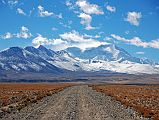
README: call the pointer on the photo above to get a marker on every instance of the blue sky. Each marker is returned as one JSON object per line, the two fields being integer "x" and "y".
{"x": 131, "y": 25}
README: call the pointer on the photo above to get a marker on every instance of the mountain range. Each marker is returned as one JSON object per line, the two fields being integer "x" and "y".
{"x": 103, "y": 58}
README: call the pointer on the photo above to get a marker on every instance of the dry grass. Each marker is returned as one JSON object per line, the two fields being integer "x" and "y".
{"x": 17, "y": 96}
{"x": 145, "y": 99}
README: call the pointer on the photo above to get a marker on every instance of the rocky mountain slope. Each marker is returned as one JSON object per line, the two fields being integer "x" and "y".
{"x": 103, "y": 58}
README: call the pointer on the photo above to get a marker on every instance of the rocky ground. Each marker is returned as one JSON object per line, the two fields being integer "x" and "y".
{"x": 75, "y": 103}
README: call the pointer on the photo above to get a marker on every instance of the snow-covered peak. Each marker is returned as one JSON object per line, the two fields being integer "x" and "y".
{"x": 113, "y": 50}
{"x": 12, "y": 52}
{"x": 105, "y": 57}
{"x": 42, "y": 48}
{"x": 32, "y": 49}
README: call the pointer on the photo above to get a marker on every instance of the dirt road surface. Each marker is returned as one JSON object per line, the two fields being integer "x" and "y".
{"x": 76, "y": 103}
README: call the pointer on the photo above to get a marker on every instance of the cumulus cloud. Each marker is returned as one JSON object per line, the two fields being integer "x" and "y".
{"x": 88, "y": 8}
{"x": 20, "y": 11}
{"x": 138, "y": 42}
{"x": 69, "y": 4}
{"x": 57, "y": 44}
{"x": 111, "y": 8}
{"x": 68, "y": 39}
{"x": 44, "y": 13}
{"x": 108, "y": 38}
{"x": 7, "y": 35}
{"x": 86, "y": 20}
{"x": 59, "y": 16}
{"x": 127, "y": 32}
{"x": 90, "y": 36}
{"x": 24, "y": 33}
{"x": 134, "y": 18}
{"x": 54, "y": 29}
{"x": 75, "y": 39}
{"x": 11, "y": 3}
{"x": 40, "y": 40}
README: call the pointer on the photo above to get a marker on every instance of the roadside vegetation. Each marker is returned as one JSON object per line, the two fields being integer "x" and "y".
{"x": 144, "y": 99}
{"x": 16, "y": 96}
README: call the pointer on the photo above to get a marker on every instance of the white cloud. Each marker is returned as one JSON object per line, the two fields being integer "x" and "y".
{"x": 40, "y": 40}
{"x": 12, "y": 3}
{"x": 88, "y": 8}
{"x": 24, "y": 33}
{"x": 44, "y": 13}
{"x": 7, "y": 35}
{"x": 133, "y": 18}
{"x": 54, "y": 29}
{"x": 86, "y": 20}
{"x": 127, "y": 32}
{"x": 72, "y": 36}
{"x": 31, "y": 11}
{"x": 111, "y": 8}
{"x": 81, "y": 41}
{"x": 138, "y": 42}
{"x": 20, "y": 11}
{"x": 68, "y": 39}
{"x": 59, "y": 44}
{"x": 97, "y": 36}
{"x": 59, "y": 16}
{"x": 90, "y": 36}
{"x": 69, "y": 4}
{"x": 154, "y": 44}
{"x": 140, "y": 53}
{"x": 108, "y": 38}
{"x": 65, "y": 25}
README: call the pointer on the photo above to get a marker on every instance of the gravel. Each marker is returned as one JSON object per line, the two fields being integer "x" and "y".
{"x": 75, "y": 103}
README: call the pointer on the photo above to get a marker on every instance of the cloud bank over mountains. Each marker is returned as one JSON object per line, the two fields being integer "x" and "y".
{"x": 68, "y": 39}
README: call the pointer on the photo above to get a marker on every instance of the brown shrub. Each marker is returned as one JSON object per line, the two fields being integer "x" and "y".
{"x": 24, "y": 94}
{"x": 145, "y": 99}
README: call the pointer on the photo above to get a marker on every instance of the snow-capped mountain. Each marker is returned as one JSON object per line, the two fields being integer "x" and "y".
{"x": 103, "y": 58}
{"x": 19, "y": 59}
{"x": 112, "y": 58}
{"x": 108, "y": 52}
{"x": 60, "y": 59}
{"x": 33, "y": 59}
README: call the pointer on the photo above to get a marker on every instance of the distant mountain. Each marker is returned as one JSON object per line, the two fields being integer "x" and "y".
{"x": 28, "y": 59}
{"x": 108, "y": 52}
{"x": 103, "y": 58}
{"x": 112, "y": 58}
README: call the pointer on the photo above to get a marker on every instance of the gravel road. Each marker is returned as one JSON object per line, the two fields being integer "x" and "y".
{"x": 75, "y": 103}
